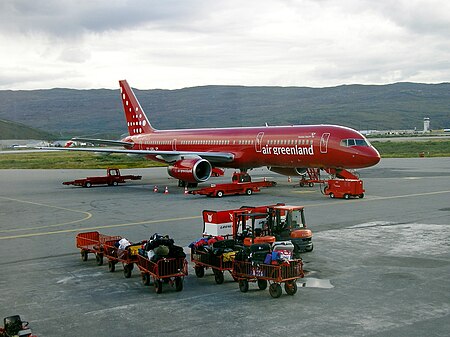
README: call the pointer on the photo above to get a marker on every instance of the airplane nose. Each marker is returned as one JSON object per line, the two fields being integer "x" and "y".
{"x": 373, "y": 157}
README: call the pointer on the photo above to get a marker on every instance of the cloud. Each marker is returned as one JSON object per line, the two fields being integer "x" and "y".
{"x": 179, "y": 43}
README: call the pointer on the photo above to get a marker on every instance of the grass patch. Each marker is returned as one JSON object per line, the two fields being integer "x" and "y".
{"x": 412, "y": 149}
{"x": 71, "y": 160}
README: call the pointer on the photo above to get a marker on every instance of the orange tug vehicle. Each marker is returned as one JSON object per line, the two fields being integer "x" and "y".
{"x": 158, "y": 258}
{"x": 254, "y": 244}
{"x": 112, "y": 178}
{"x": 241, "y": 183}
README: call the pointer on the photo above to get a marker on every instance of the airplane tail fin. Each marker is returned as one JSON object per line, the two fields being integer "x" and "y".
{"x": 137, "y": 121}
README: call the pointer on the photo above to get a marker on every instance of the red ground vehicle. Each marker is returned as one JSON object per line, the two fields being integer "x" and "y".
{"x": 241, "y": 184}
{"x": 251, "y": 264}
{"x": 112, "y": 178}
{"x": 128, "y": 256}
{"x": 344, "y": 188}
{"x": 284, "y": 222}
{"x": 166, "y": 270}
{"x": 14, "y": 326}
{"x": 92, "y": 242}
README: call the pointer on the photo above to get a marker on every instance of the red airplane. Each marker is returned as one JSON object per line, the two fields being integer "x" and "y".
{"x": 192, "y": 153}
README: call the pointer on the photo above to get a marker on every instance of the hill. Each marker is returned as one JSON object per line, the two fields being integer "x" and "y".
{"x": 12, "y": 130}
{"x": 99, "y": 113}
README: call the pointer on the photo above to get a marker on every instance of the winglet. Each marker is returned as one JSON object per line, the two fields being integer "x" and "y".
{"x": 137, "y": 121}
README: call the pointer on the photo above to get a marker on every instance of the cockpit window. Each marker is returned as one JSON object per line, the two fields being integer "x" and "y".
{"x": 354, "y": 142}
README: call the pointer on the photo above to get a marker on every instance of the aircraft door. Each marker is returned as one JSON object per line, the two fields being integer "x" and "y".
{"x": 174, "y": 145}
{"x": 258, "y": 143}
{"x": 324, "y": 142}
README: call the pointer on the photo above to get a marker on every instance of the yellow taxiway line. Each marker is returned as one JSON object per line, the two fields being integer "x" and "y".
{"x": 183, "y": 218}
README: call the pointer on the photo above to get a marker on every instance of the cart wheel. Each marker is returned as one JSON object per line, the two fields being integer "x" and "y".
{"x": 262, "y": 284}
{"x": 99, "y": 259}
{"x": 199, "y": 271}
{"x": 275, "y": 290}
{"x": 87, "y": 184}
{"x": 311, "y": 184}
{"x": 158, "y": 286}
{"x": 178, "y": 284}
{"x": 332, "y": 195}
{"x": 361, "y": 195}
{"x": 127, "y": 268}
{"x": 346, "y": 196}
{"x": 310, "y": 249}
{"x": 249, "y": 191}
{"x": 243, "y": 285}
{"x": 145, "y": 279}
{"x": 290, "y": 287}
{"x": 219, "y": 194}
{"x": 115, "y": 183}
{"x": 302, "y": 184}
{"x": 84, "y": 255}
{"x": 218, "y": 276}
{"x": 111, "y": 266}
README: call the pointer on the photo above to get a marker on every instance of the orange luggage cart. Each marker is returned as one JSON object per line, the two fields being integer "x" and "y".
{"x": 167, "y": 270}
{"x": 204, "y": 260}
{"x": 93, "y": 242}
{"x": 271, "y": 274}
{"x": 127, "y": 256}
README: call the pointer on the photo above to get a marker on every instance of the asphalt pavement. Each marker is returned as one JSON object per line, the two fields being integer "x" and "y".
{"x": 380, "y": 265}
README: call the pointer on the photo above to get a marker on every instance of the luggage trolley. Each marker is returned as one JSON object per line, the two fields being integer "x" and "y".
{"x": 218, "y": 263}
{"x": 92, "y": 242}
{"x": 265, "y": 274}
{"x": 167, "y": 270}
{"x": 127, "y": 256}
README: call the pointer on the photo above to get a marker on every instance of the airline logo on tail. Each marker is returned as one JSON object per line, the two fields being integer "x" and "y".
{"x": 137, "y": 121}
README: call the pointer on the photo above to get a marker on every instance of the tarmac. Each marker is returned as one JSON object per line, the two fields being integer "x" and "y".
{"x": 380, "y": 265}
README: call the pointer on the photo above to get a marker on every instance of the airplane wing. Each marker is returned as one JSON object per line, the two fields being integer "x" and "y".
{"x": 167, "y": 156}
{"x": 104, "y": 142}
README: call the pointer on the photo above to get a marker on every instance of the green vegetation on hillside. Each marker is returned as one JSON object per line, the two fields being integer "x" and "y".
{"x": 99, "y": 113}
{"x": 411, "y": 149}
{"x": 13, "y": 130}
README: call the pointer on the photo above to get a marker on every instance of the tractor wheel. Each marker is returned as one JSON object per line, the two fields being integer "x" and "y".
{"x": 84, "y": 255}
{"x": 99, "y": 259}
{"x": 262, "y": 284}
{"x": 145, "y": 279}
{"x": 219, "y": 194}
{"x": 275, "y": 290}
{"x": 178, "y": 284}
{"x": 361, "y": 195}
{"x": 127, "y": 269}
{"x": 218, "y": 276}
{"x": 111, "y": 266}
{"x": 332, "y": 195}
{"x": 290, "y": 287}
{"x": 310, "y": 249}
{"x": 346, "y": 196}
{"x": 199, "y": 271}
{"x": 249, "y": 191}
{"x": 158, "y": 286}
{"x": 115, "y": 183}
{"x": 243, "y": 286}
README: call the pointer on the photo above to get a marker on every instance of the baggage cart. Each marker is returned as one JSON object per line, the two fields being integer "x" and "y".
{"x": 165, "y": 270}
{"x": 127, "y": 256}
{"x": 92, "y": 242}
{"x": 269, "y": 274}
{"x": 218, "y": 263}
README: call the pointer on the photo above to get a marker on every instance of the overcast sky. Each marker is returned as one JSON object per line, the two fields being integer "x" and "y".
{"x": 173, "y": 44}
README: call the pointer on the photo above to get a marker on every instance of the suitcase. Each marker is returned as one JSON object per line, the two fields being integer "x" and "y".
{"x": 285, "y": 248}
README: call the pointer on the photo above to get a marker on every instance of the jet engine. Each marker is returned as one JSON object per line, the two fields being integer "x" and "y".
{"x": 191, "y": 170}
{"x": 288, "y": 171}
